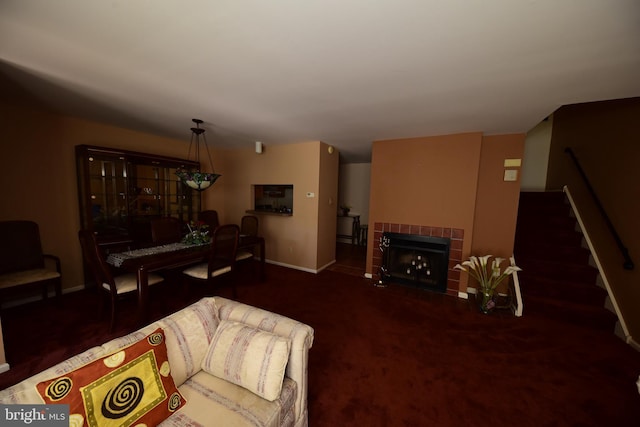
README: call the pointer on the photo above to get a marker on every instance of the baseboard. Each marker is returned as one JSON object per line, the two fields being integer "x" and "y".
{"x": 327, "y": 265}
{"x": 295, "y": 267}
{"x": 4, "y": 367}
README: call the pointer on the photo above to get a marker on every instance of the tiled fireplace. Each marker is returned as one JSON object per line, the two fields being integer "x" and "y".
{"x": 421, "y": 248}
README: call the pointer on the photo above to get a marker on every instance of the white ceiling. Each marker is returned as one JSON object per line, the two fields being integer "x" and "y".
{"x": 346, "y": 72}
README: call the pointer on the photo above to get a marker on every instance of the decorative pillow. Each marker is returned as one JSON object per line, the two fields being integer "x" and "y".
{"x": 131, "y": 386}
{"x": 248, "y": 357}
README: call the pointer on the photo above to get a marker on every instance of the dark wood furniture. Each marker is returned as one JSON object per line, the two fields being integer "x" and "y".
{"x": 210, "y": 217}
{"x": 120, "y": 192}
{"x": 144, "y": 265}
{"x": 222, "y": 256}
{"x": 22, "y": 262}
{"x": 166, "y": 230}
{"x": 114, "y": 287}
{"x": 355, "y": 227}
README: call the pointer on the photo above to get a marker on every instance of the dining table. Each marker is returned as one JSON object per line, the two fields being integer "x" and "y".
{"x": 169, "y": 256}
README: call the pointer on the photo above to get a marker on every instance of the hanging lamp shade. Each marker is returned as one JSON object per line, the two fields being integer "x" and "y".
{"x": 195, "y": 178}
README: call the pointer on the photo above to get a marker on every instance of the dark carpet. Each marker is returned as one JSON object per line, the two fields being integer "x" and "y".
{"x": 389, "y": 356}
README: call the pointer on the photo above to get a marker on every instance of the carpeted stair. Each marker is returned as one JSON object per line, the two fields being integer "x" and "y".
{"x": 557, "y": 280}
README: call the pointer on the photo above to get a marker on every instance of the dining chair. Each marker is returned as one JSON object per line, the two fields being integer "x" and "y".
{"x": 248, "y": 227}
{"x": 166, "y": 230}
{"x": 209, "y": 217}
{"x": 222, "y": 258}
{"x": 113, "y": 287}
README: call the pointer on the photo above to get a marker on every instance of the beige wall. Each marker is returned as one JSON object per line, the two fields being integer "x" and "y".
{"x": 38, "y": 172}
{"x": 438, "y": 181}
{"x": 302, "y": 240}
{"x": 536, "y": 156}
{"x": 604, "y": 137}
{"x": 494, "y": 225}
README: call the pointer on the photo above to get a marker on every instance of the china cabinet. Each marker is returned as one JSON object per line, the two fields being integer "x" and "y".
{"x": 120, "y": 192}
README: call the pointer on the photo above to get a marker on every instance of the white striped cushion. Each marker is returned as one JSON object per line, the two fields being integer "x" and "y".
{"x": 248, "y": 357}
{"x": 188, "y": 333}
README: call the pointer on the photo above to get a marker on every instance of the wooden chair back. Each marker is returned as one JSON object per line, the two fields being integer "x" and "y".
{"x": 249, "y": 225}
{"x": 209, "y": 217}
{"x": 95, "y": 261}
{"x": 224, "y": 246}
{"x": 166, "y": 230}
{"x": 20, "y": 246}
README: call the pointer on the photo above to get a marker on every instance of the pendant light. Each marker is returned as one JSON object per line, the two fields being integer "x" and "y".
{"x": 194, "y": 178}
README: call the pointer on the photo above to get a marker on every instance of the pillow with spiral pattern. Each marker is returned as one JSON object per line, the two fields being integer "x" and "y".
{"x": 132, "y": 386}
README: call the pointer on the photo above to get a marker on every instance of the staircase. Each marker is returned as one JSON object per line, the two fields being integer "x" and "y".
{"x": 556, "y": 279}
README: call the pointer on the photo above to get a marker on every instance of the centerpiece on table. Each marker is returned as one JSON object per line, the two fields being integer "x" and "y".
{"x": 198, "y": 233}
{"x": 489, "y": 276}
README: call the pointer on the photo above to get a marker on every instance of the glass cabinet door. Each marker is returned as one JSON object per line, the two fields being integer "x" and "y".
{"x": 120, "y": 192}
{"x": 107, "y": 194}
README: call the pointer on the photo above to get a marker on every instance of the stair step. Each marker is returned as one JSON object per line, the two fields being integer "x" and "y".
{"x": 563, "y": 221}
{"x": 570, "y": 312}
{"x": 547, "y": 236}
{"x": 543, "y": 202}
{"x": 569, "y": 253}
{"x": 557, "y": 281}
{"x": 533, "y": 285}
{"x": 559, "y": 270}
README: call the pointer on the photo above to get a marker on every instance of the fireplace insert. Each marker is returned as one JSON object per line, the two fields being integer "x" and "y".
{"x": 414, "y": 260}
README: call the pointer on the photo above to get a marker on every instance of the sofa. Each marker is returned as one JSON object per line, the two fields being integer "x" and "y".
{"x": 215, "y": 362}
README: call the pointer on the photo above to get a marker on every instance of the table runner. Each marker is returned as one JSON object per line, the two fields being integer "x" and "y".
{"x": 117, "y": 259}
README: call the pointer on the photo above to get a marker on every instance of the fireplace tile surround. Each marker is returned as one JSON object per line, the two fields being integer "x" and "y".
{"x": 456, "y": 236}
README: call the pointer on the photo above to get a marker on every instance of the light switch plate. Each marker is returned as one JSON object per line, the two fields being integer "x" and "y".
{"x": 510, "y": 174}
{"x": 309, "y": 194}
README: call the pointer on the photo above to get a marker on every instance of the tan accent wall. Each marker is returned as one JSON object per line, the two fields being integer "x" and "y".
{"x": 305, "y": 240}
{"x": 439, "y": 180}
{"x": 38, "y": 172}
{"x": 604, "y": 137}
{"x": 494, "y": 225}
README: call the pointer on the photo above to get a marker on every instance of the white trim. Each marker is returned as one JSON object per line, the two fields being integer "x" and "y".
{"x": 295, "y": 267}
{"x": 463, "y": 295}
{"x": 4, "y": 367}
{"x": 327, "y": 265}
{"x": 627, "y": 337}
{"x": 519, "y": 305}
{"x": 368, "y": 276}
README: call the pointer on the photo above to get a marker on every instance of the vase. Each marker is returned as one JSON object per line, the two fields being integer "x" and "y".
{"x": 487, "y": 301}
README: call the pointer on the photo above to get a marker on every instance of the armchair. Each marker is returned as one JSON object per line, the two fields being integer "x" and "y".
{"x": 22, "y": 262}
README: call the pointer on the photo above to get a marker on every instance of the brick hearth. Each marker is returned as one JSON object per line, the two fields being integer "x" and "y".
{"x": 455, "y": 249}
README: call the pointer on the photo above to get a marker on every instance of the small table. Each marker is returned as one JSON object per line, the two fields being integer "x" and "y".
{"x": 355, "y": 227}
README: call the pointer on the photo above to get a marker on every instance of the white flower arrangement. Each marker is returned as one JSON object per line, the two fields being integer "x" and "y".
{"x": 488, "y": 278}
